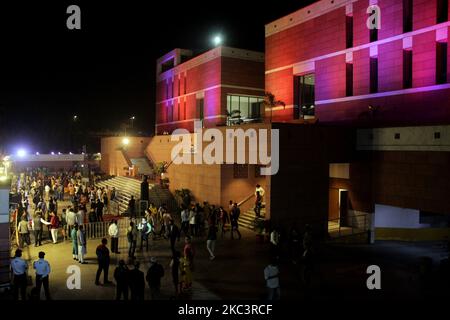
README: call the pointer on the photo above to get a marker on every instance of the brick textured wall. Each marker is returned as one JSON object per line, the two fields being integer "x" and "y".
{"x": 416, "y": 180}
{"x": 391, "y": 18}
{"x": 412, "y": 109}
{"x": 312, "y": 38}
{"x": 424, "y": 59}
{"x": 424, "y": 13}
{"x": 361, "y": 72}
{"x": 390, "y": 66}
{"x": 282, "y": 86}
{"x": 360, "y": 31}
{"x": 330, "y": 78}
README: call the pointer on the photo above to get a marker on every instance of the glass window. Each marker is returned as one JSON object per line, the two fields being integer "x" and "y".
{"x": 304, "y": 95}
{"x": 244, "y": 107}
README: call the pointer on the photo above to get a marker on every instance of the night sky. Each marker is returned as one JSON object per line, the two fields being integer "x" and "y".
{"x": 105, "y": 72}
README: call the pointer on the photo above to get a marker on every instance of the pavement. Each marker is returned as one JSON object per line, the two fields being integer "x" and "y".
{"x": 339, "y": 270}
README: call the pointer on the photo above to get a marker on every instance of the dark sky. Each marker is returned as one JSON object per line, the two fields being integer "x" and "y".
{"x": 105, "y": 72}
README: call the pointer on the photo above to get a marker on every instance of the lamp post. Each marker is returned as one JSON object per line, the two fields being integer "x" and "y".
{"x": 132, "y": 121}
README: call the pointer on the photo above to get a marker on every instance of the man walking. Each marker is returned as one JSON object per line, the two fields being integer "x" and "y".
{"x": 132, "y": 234}
{"x": 19, "y": 269}
{"x": 211, "y": 240}
{"x": 234, "y": 220}
{"x": 154, "y": 275}
{"x": 103, "y": 262}
{"x": 114, "y": 234}
{"x": 36, "y": 225}
{"x": 43, "y": 270}
{"x": 24, "y": 234}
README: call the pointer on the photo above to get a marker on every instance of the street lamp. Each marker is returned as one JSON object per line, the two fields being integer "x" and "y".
{"x": 125, "y": 141}
{"x": 75, "y": 118}
{"x": 132, "y": 121}
{"x": 217, "y": 40}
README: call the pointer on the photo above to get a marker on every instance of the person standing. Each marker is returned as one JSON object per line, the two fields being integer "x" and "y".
{"x": 271, "y": 275}
{"x": 154, "y": 275}
{"x": 54, "y": 226}
{"x": 174, "y": 234}
{"x": 24, "y": 234}
{"x": 211, "y": 241}
{"x": 19, "y": 269}
{"x": 99, "y": 209}
{"x": 71, "y": 220}
{"x": 37, "y": 224}
{"x": 43, "y": 270}
{"x": 132, "y": 234}
{"x": 132, "y": 207}
{"x": 192, "y": 222}
{"x": 234, "y": 220}
{"x": 81, "y": 239}
{"x": 74, "y": 238}
{"x": 113, "y": 232}
{"x": 258, "y": 204}
{"x": 185, "y": 221}
{"x": 145, "y": 229}
{"x": 137, "y": 283}
{"x": 121, "y": 275}
{"x": 144, "y": 189}
{"x": 189, "y": 252}
{"x": 103, "y": 259}
{"x": 175, "y": 266}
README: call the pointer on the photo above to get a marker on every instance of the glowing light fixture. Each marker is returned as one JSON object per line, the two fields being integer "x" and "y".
{"x": 125, "y": 141}
{"x": 217, "y": 40}
{"x": 21, "y": 153}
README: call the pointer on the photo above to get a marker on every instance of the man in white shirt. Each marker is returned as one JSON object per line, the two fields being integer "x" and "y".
{"x": 113, "y": 232}
{"x": 271, "y": 274}
{"x": 185, "y": 221}
{"x": 260, "y": 190}
{"x": 19, "y": 269}
{"x": 71, "y": 219}
{"x": 43, "y": 270}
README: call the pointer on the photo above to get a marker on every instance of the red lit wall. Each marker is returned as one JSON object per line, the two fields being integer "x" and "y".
{"x": 289, "y": 50}
{"x": 390, "y": 66}
{"x": 213, "y": 79}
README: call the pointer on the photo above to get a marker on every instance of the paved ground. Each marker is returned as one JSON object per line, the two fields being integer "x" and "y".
{"x": 237, "y": 272}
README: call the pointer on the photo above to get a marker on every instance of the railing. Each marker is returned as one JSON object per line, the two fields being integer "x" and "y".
{"x": 355, "y": 224}
{"x": 98, "y": 230}
{"x": 244, "y": 204}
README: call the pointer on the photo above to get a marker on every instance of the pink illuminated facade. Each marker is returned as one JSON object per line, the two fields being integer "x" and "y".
{"x": 208, "y": 87}
{"x": 324, "y": 61}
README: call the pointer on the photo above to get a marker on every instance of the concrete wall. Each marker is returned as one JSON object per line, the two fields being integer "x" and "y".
{"x": 113, "y": 161}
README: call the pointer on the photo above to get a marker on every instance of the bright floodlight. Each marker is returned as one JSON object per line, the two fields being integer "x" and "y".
{"x": 21, "y": 153}
{"x": 126, "y": 141}
{"x": 53, "y": 153}
{"x": 217, "y": 40}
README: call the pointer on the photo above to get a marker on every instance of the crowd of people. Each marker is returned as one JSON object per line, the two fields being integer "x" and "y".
{"x": 40, "y": 196}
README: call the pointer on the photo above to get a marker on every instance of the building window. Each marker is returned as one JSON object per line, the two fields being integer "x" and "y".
{"x": 349, "y": 31}
{"x": 442, "y": 11}
{"x": 200, "y": 108}
{"x": 167, "y": 65}
{"x": 244, "y": 108}
{"x": 441, "y": 62}
{"x": 349, "y": 79}
{"x": 407, "y": 69}
{"x": 304, "y": 95}
{"x": 407, "y": 15}
{"x": 373, "y": 75}
{"x": 240, "y": 171}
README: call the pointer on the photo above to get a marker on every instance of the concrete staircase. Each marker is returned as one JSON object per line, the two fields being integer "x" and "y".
{"x": 127, "y": 187}
{"x": 143, "y": 166}
{"x": 247, "y": 218}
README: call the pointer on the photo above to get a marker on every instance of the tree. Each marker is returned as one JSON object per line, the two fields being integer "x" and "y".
{"x": 271, "y": 102}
